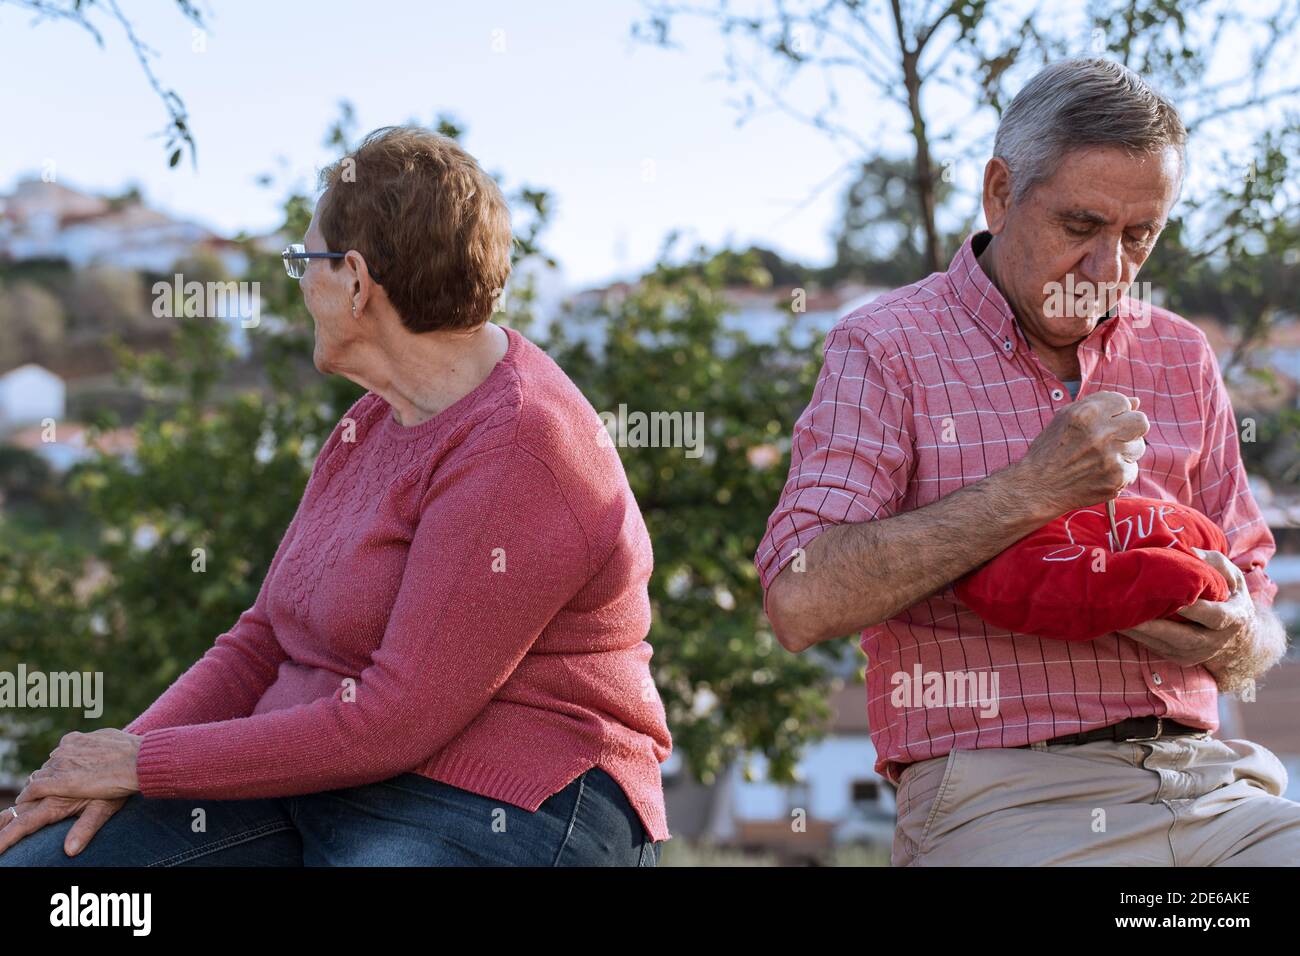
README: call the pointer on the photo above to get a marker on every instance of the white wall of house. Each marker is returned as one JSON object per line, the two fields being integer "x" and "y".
{"x": 59, "y": 455}
{"x": 828, "y": 770}
{"x": 29, "y": 394}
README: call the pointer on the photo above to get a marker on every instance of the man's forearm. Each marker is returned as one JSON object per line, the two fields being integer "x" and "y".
{"x": 857, "y": 575}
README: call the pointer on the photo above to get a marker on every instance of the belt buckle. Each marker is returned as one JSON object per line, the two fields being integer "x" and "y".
{"x": 1160, "y": 724}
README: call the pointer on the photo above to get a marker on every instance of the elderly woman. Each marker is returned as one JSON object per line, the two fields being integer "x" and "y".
{"x": 446, "y": 662}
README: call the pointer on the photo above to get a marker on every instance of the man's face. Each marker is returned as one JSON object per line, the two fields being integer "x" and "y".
{"x": 1090, "y": 227}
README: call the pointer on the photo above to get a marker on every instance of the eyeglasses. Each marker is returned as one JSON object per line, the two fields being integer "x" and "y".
{"x": 296, "y": 255}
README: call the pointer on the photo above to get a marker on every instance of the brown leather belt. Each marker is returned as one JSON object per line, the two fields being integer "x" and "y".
{"x": 1127, "y": 731}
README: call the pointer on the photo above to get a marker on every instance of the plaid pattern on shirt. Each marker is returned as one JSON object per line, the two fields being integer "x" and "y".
{"x": 945, "y": 358}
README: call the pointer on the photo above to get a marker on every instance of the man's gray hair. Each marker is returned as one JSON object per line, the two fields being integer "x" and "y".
{"x": 1078, "y": 103}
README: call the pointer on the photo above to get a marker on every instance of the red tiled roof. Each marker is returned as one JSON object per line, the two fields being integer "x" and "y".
{"x": 76, "y": 435}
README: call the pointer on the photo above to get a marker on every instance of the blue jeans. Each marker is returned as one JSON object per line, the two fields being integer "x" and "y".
{"x": 408, "y": 820}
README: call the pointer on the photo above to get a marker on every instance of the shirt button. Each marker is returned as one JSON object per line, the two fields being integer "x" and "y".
{"x": 1006, "y": 346}
{"x": 1057, "y": 394}
{"x": 1155, "y": 679}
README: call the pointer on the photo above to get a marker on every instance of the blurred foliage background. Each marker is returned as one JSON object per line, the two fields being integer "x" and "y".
{"x": 225, "y": 475}
{"x": 96, "y": 566}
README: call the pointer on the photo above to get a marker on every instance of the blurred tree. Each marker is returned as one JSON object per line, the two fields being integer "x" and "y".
{"x": 1241, "y": 264}
{"x": 44, "y": 623}
{"x": 226, "y": 476}
{"x": 937, "y": 76}
{"x": 131, "y": 196}
{"x": 1245, "y": 272}
{"x": 897, "y": 52}
{"x": 31, "y": 324}
{"x": 741, "y": 267}
{"x": 104, "y": 300}
{"x": 880, "y": 236}
{"x": 24, "y": 476}
{"x": 728, "y": 686}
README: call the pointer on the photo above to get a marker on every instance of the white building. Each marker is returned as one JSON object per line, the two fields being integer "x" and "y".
{"x": 43, "y": 220}
{"x": 30, "y": 394}
{"x": 839, "y": 799}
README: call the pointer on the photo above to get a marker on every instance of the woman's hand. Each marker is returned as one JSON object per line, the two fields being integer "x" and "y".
{"x": 98, "y": 765}
{"x": 34, "y": 814}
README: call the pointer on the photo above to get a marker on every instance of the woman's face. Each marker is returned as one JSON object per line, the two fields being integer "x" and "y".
{"x": 327, "y": 292}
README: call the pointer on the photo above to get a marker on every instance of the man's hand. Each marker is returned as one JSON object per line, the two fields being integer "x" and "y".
{"x": 1218, "y": 628}
{"x": 1232, "y": 639}
{"x": 857, "y": 575}
{"x": 1088, "y": 452}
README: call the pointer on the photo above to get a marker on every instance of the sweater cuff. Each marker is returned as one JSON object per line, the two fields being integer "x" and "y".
{"x": 153, "y": 764}
{"x": 139, "y": 726}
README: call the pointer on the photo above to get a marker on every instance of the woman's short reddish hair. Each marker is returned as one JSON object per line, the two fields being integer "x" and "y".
{"x": 429, "y": 222}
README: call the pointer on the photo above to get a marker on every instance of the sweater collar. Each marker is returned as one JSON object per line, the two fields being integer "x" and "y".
{"x": 391, "y": 430}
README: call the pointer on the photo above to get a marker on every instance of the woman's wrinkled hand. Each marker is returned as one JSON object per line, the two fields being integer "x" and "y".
{"x": 32, "y": 815}
{"x": 98, "y": 765}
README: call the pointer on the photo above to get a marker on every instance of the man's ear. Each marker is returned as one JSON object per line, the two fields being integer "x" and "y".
{"x": 997, "y": 194}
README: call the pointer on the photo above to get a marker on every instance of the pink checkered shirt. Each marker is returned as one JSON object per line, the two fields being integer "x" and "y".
{"x": 946, "y": 352}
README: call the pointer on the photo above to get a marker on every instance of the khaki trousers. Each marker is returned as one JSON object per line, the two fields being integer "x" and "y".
{"x": 1179, "y": 801}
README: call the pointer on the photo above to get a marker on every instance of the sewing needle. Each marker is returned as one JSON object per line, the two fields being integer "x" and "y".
{"x": 1114, "y": 528}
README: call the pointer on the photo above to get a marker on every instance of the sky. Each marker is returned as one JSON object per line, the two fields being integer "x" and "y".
{"x": 634, "y": 142}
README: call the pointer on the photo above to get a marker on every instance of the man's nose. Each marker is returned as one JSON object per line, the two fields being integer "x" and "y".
{"x": 1105, "y": 262}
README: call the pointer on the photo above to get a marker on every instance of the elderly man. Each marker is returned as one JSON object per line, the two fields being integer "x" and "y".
{"x": 956, "y": 415}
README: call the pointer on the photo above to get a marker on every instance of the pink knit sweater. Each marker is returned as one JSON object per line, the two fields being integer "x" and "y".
{"x": 465, "y": 598}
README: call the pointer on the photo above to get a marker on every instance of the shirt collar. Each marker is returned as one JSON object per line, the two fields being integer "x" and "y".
{"x": 980, "y": 297}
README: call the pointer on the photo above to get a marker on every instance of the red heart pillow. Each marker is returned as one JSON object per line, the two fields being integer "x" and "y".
{"x": 1069, "y": 581}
